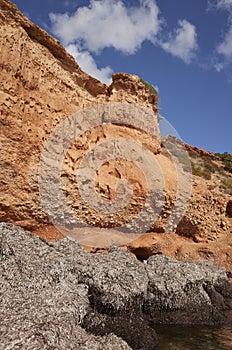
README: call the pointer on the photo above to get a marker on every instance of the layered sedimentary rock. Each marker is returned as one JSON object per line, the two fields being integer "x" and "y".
{"x": 41, "y": 87}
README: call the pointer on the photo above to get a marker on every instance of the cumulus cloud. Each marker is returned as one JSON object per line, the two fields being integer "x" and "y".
{"x": 108, "y": 23}
{"x": 219, "y": 5}
{"x": 223, "y": 51}
{"x": 224, "y": 4}
{"x": 87, "y": 63}
{"x": 113, "y": 24}
{"x": 225, "y": 48}
{"x": 102, "y": 24}
{"x": 183, "y": 42}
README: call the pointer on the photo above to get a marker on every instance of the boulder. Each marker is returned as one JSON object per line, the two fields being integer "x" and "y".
{"x": 185, "y": 292}
{"x": 50, "y": 289}
{"x": 58, "y": 295}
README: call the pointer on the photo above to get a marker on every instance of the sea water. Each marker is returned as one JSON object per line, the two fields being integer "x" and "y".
{"x": 194, "y": 338}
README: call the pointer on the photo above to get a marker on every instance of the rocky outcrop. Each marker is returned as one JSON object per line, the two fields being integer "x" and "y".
{"x": 204, "y": 219}
{"x": 134, "y": 86}
{"x": 41, "y": 85}
{"x": 58, "y": 295}
{"x": 13, "y": 19}
{"x": 184, "y": 293}
{"x": 199, "y": 151}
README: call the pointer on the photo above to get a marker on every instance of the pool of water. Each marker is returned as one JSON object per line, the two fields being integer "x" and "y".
{"x": 194, "y": 338}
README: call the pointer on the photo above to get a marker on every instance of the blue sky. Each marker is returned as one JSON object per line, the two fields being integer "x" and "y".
{"x": 183, "y": 47}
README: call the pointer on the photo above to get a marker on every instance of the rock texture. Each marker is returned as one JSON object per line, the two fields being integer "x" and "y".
{"x": 41, "y": 85}
{"x": 59, "y": 296}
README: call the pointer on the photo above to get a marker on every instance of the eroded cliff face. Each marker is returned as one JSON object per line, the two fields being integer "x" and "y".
{"x": 41, "y": 86}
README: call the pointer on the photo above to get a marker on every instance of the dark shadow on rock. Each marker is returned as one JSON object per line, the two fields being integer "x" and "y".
{"x": 229, "y": 209}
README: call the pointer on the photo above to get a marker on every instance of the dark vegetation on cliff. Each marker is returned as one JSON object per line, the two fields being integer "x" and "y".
{"x": 150, "y": 88}
{"x": 226, "y": 158}
{"x": 209, "y": 166}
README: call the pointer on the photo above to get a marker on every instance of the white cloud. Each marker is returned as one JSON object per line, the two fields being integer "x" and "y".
{"x": 87, "y": 64}
{"x": 183, "y": 42}
{"x": 224, "y": 4}
{"x": 223, "y": 51}
{"x": 108, "y": 23}
{"x": 219, "y": 5}
{"x": 113, "y": 24}
{"x": 105, "y": 23}
{"x": 218, "y": 66}
{"x": 225, "y": 48}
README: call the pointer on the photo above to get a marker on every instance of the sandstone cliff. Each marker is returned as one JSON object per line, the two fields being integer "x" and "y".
{"x": 41, "y": 86}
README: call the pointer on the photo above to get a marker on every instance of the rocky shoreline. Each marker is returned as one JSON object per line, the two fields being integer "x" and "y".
{"x": 58, "y": 296}
{"x": 54, "y": 293}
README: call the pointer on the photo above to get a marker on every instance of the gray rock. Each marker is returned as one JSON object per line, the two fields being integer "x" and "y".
{"x": 43, "y": 304}
{"x": 117, "y": 285}
{"x": 58, "y": 296}
{"x": 185, "y": 292}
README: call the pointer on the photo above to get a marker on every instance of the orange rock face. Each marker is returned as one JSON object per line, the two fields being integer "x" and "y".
{"x": 41, "y": 87}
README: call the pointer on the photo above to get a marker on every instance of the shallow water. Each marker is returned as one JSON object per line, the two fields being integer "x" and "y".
{"x": 194, "y": 338}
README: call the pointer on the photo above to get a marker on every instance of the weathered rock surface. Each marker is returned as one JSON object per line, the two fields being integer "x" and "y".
{"x": 185, "y": 292}
{"x": 41, "y": 85}
{"x": 59, "y": 296}
{"x": 218, "y": 252}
